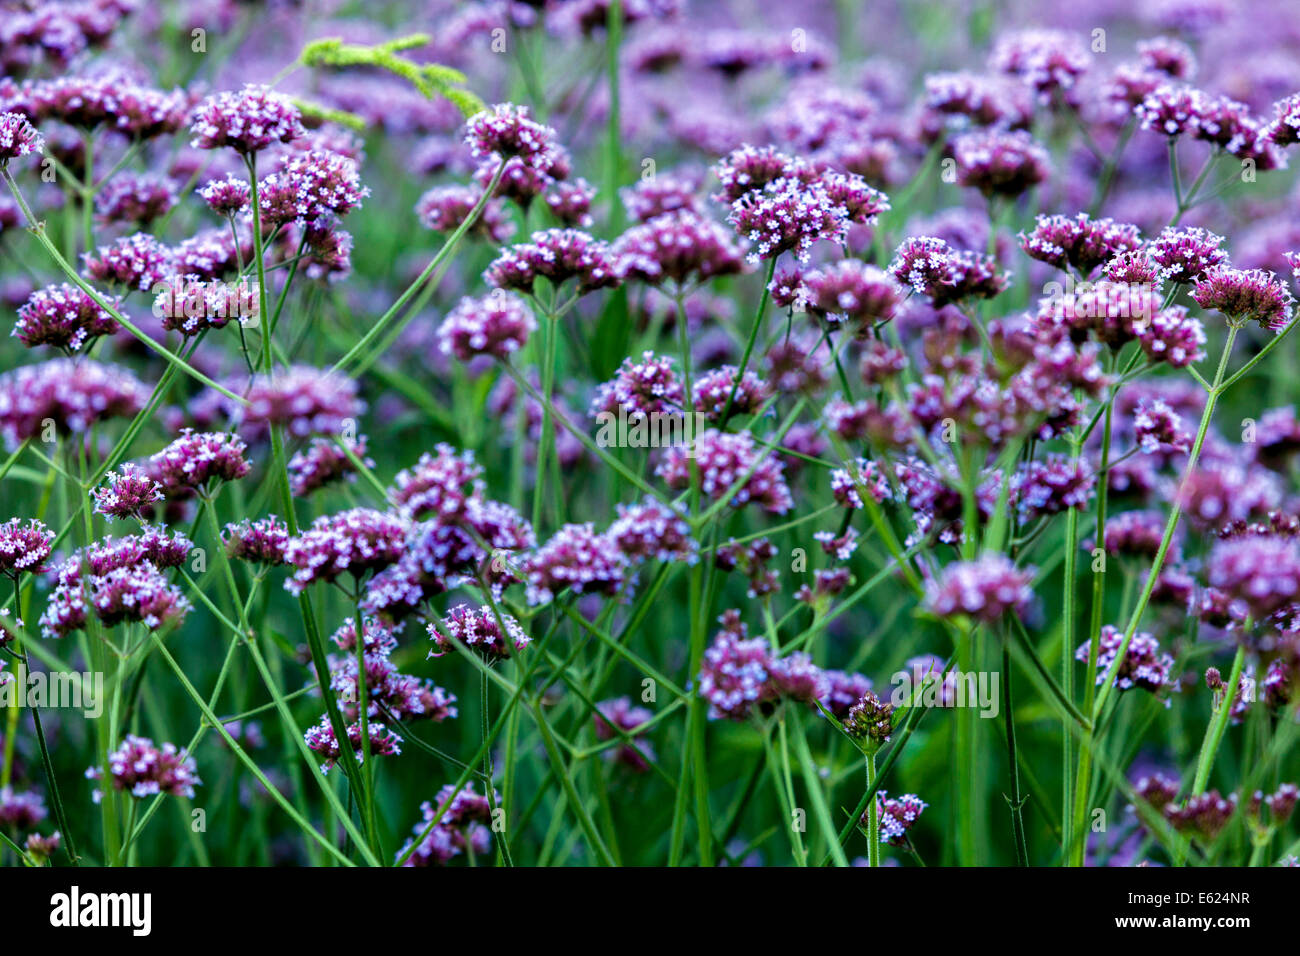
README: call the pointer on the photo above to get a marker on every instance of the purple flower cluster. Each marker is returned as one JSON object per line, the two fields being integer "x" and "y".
{"x": 497, "y": 325}
{"x": 479, "y": 629}
{"x": 984, "y": 589}
{"x": 729, "y": 463}
{"x": 142, "y": 769}
{"x": 63, "y": 316}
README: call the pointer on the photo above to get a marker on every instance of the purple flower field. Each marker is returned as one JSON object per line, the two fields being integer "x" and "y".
{"x": 649, "y": 433}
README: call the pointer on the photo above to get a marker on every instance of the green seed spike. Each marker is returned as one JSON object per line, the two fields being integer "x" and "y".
{"x": 431, "y": 79}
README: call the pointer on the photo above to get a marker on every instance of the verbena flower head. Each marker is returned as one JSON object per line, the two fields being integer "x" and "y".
{"x": 440, "y": 485}
{"x": 558, "y": 255}
{"x": 1050, "y": 62}
{"x": 1262, "y": 572}
{"x": 127, "y": 494}
{"x": 1284, "y": 130}
{"x": 124, "y": 585}
{"x": 570, "y": 202}
{"x": 310, "y": 185}
{"x": 1082, "y": 243}
{"x": 322, "y": 741}
{"x": 496, "y": 325}
{"x": 985, "y": 589}
{"x": 1158, "y": 428}
{"x": 652, "y": 530}
{"x": 677, "y": 246}
{"x": 260, "y": 541}
{"x": 1246, "y": 295}
{"x": 721, "y": 460}
{"x": 142, "y": 769}
{"x": 445, "y": 208}
{"x": 304, "y": 400}
{"x": 578, "y": 558}
{"x": 897, "y": 815}
{"x": 247, "y": 121}
{"x": 506, "y": 131}
{"x": 715, "y": 389}
{"x": 662, "y": 193}
{"x": 853, "y": 292}
{"x": 196, "y": 458}
{"x": 932, "y": 267}
{"x": 848, "y": 485}
{"x": 788, "y": 214}
{"x": 226, "y": 196}
{"x": 462, "y": 817}
{"x": 18, "y": 138}
{"x": 138, "y": 261}
{"x": 63, "y": 316}
{"x": 1185, "y": 255}
{"x": 323, "y": 462}
{"x": 24, "y": 546}
{"x": 21, "y": 810}
{"x": 1144, "y": 666}
{"x": 999, "y": 163}
{"x": 71, "y": 395}
{"x": 641, "y": 388}
{"x": 134, "y": 198}
{"x": 479, "y": 630}
{"x": 870, "y": 721}
{"x": 356, "y": 542}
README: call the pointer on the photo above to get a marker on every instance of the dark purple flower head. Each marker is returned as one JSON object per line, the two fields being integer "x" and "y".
{"x": 570, "y": 202}
{"x": 558, "y": 255}
{"x": 497, "y": 325}
{"x": 853, "y": 292}
{"x": 1082, "y": 243}
{"x": 18, "y": 138}
{"x": 897, "y": 815}
{"x": 261, "y": 541}
{"x": 721, "y": 460}
{"x": 20, "y": 810}
{"x": 870, "y": 721}
{"x": 444, "y": 208}
{"x": 1157, "y": 428}
{"x": 677, "y": 246}
{"x": 479, "y": 630}
{"x": 1284, "y": 130}
{"x": 506, "y": 131}
{"x": 748, "y": 169}
{"x": 931, "y": 267}
{"x": 1185, "y": 255}
{"x": 305, "y": 400}
{"x": 128, "y": 494}
{"x": 718, "y": 389}
{"x": 1173, "y": 336}
{"x": 63, "y": 316}
{"x": 134, "y": 198}
{"x": 247, "y": 121}
{"x": 1144, "y": 665}
{"x": 321, "y": 740}
{"x": 142, "y": 769}
{"x": 1049, "y": 62}
{"x": 974, "y": 99}
{"x": 73, "y": 395}
{"x": 354, "y": 542}
{"x": 1246, "y": 295}
{"x": 788, "y": 214}
{"x": 652, "y": 531}
{"x": 135, "y": 262}
{"x": 136, "y": 591}
{"x": 984, "y": 589}
{"x": 324, "y": 462}
{"x": 578, "y": 558}
{"x": 1169, "y": 56}
{"x": 226, "y": 196}
{"x": 311, "y": 185}
{"x": 662, "y": 193}
{"x": 1134, "y": 534}
{"x": 847, "y": 485}
{"x": 999, "y": 163}
{"x": 196, "y": 458}
{"x": 24, "y": 547}
{"x": 438, "y": 486}
{"x": 640, "y": 389}
{"x": 1261, "y": 572}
